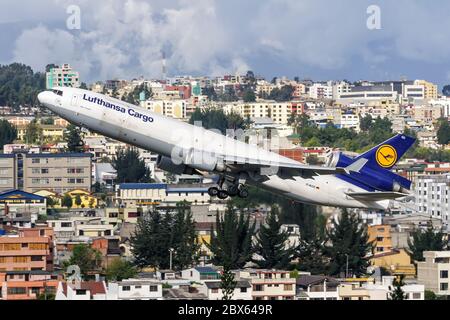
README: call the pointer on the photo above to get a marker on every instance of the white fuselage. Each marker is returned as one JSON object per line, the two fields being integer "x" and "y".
{"x": 163, "y": 135}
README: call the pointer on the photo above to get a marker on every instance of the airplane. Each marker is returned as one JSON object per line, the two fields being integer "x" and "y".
{"x": 365, "y": 181}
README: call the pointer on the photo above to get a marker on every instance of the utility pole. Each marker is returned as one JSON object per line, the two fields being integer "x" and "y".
{"x": 170, "y": 258}
{"x": 346, "y": 266}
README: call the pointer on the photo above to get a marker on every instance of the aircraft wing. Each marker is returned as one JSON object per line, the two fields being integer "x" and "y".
{"x": 254, "y": 164}
{"x": 376, "y": 196}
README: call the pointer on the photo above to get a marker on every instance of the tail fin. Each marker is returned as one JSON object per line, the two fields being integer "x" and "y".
{"x": 386, "y": 154}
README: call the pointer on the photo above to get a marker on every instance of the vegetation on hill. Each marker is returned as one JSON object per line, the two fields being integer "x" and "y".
{"x": 19, "y": 85}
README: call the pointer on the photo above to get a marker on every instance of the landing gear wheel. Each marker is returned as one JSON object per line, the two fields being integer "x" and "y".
{"x": 222, "y": 194}
{"x": 243, "y": 192}
{"x": 233, "y": 190}
{"x": 213, "y": 191}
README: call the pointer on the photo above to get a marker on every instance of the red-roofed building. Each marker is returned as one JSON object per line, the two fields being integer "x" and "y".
{"x": 84, "y": 290}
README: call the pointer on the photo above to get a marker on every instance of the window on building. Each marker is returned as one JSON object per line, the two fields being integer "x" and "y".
{"x": 287, "y": 287}
{"x": 80, "y": 292}
{"x": 416, "y": 295}
{"x": 444, "y": 274}
{"x": 126, "y": 288}
{"x": 258, "y": 287}
{"x": 37, "y": 258}
{"x": 153, "y": 288}
{"x": 444, "y": 286}
{"x": 243, "y": 290}
{"x": 214, "y": 290}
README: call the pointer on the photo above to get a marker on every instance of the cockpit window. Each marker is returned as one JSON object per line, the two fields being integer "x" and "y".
{"x": 58, "y": 92}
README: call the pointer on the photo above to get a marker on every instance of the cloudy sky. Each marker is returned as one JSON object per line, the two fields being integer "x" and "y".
{"x": 318, "y": 39}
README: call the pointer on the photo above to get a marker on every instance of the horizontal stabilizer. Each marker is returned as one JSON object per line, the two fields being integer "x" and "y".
{"x": 376, "y": 196}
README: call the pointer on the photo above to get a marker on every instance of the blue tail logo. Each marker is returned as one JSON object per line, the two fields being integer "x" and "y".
{"x": 386, "y": 154}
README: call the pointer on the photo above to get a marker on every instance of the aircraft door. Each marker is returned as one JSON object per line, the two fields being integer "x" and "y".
{"x": 74, "y": 101}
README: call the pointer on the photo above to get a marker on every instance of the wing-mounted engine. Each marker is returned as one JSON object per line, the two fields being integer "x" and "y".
{"x": 190, "y": 161}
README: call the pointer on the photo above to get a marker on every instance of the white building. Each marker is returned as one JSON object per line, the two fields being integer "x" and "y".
{"x": 83, "y": 290}
{"x": 242, "y": 291}
{"x": 321, "y": 91}
{"x": 200, "y": 274}
{"x": 63, "y": 76}
{"x": 311, "y": 287}
{"x": 432, "y": 196}
{"x": 434, "y": 271}
{"x": 135, "y": 289}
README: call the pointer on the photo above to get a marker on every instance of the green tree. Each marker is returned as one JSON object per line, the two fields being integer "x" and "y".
{"x": 78, "y": 200}
{"x": 86, "y": 258}
{"x": 156, "y": 235}
{"x": 249, "y": 95}
{"x": 151, "y": 240}
{"x": 349, "y": 245}
{"x": 33, "y": 132}
{"x": 8, "y": 133}
{"x": 19, "y": 86}
{"x": 66, "y": 201}
{"x": 72, "y": 135}
{"x": 184, "y": 238}
{"x": 428, "y": 240}
{"x": 231, "y": 243}
{"x": 271, "y": 244}
{"x": 120, "y": 269}
{"x": 397, "y": 293}
{"x": 282, "y": 94}
{"x": 443, "y": 133}
{"x": 365, "y": 123}
{"x": 430, "y": 295}
{"x": 312, "y": 258}
{"x": 227, "y": 283}
{"x": 446, "y": 90}
{"x": 130, "y": 167}
{"x": 217, "y": 119}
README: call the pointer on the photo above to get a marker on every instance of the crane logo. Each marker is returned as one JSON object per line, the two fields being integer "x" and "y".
{"x": 386, "y": 156}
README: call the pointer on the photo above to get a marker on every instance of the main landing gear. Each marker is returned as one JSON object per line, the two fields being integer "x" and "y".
{"x": 231, "y": 191}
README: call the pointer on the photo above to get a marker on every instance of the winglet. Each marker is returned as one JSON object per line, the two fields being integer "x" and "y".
{"x": 356, "y": 166}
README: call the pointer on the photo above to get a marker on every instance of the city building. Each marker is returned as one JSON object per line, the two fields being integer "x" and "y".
{"x": 21, "y": 209}
{"x": 28, "y": 285}
{"x": 63, "y": 76}
{"x": 380, "y": 236}
{"x": 432, "y": 196}
{"x": 83, "y": 290}
{"x": 311, "y": 287}
{"x": 8, "y": 172}
{"x": 434, "y": 271}
{"x": 30, "y": 250}
{"x": 200, "y": 274}
{"x": 242, "y": 290}
{"x": 269, "y": 284}
{"x": 135, "y": 289}
{"x": 61, "y": 172}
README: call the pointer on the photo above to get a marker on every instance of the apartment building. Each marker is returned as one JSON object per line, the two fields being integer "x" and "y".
{"x": 200, "y": 274}
{"x": 270, "y": 284}
{"x": 430, "y": 89}
{"x": 8, "y": 172}
{"x": 380, "y": 236}
{"x": 63, "y": 76}
{"x": 434, "y": 271}
{"x": 60, "y": 172}
{"x": 32, "y": 249}
{"x": 432, "y": 196}
{"x": 278, "y": 112}
{"x": 28, "y": 285}
{"x": 171, "y": 108}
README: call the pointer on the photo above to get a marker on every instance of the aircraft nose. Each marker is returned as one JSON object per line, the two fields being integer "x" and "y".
{"x": 45, "y": 97}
